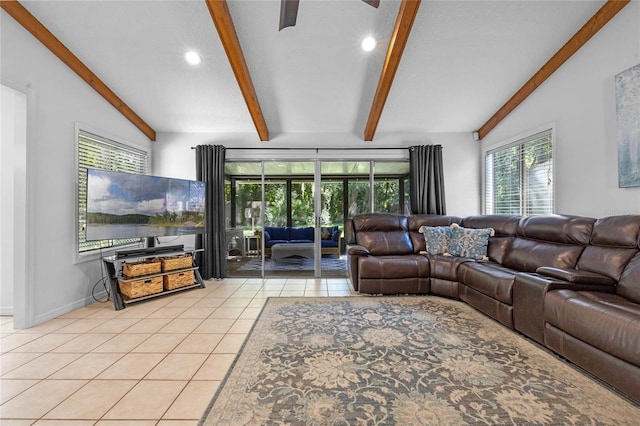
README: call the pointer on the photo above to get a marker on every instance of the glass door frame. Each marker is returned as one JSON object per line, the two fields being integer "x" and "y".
{"x": 317, "y": 213}
{"x": 317, "y": 245}
{"x": 316, "y": 177}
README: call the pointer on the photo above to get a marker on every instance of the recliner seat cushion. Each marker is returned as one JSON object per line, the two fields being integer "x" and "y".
{"x": 488, "y": 278}
{"x": 607, "y": 321}
{"x": 393, "y": 267}
{"x": 445, "y": 267}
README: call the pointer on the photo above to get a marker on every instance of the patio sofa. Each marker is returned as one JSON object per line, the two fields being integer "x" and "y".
{"x": 571, "y": 284}
{"x": 331, "y": 237}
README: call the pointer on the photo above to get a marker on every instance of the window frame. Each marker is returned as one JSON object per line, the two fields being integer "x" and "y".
{"x": 514, "y": 141}
{"x": 346, "y": 179}
{"x": 80, "y": 129}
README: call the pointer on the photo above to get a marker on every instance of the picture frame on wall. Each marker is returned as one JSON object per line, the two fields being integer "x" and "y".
{"x": 628, "y": 124}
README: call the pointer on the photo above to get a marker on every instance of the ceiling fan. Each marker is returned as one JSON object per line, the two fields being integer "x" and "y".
{"x": 289, "y": 11}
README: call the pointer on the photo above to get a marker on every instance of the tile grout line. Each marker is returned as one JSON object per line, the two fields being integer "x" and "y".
{"x": 256, "y": 301}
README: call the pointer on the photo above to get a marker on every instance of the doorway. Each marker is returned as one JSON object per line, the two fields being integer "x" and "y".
{"x": 13, "y": 206}
{"x": 286, "y": 218}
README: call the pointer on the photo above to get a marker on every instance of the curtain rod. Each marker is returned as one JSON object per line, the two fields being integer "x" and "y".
{"x": 316, "y": 149}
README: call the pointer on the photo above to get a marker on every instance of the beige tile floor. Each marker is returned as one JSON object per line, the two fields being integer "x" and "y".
{"x": 157, "y": 362}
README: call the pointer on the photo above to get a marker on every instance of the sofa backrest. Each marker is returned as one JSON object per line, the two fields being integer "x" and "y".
{"x": 614, "y": 241}
{"x": 416, "y": 221}
{"x": 629, "y": 284}
{"x": 304, "y": 233}
{"x": 505, "y": 231}
{"x": 277, "y": 232}
{"x": 287, "y": 233}
{"x": 556, "y": 241}
{"x": 381, "y": 234}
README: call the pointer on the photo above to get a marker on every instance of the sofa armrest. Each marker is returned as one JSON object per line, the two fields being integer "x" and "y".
{"x": 576, "y": 276}
{"x": 357, "y": 251}
{"x": 529, "y": 291}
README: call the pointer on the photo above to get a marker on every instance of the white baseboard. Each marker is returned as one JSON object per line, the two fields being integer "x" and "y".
{"x": 6, "y": 311}
{"x": 68, "y": 308}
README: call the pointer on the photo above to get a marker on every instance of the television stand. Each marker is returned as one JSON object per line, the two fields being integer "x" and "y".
{"x": 114, "y": 265}
{"x": 136, "y": 252}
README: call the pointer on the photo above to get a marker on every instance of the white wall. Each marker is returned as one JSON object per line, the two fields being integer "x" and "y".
{"x": 173, "y": 156}
{"x": 13, "y": 107}
{"x": 580, "y": 98}
{"x": 61, "y": 99}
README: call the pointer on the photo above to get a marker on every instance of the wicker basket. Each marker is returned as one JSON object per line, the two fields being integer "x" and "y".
{"x": 139, "y": 269}
{"x": 176, "y": 262}
{"x": 140, "y": 288}
{"x": 181, "y": 279}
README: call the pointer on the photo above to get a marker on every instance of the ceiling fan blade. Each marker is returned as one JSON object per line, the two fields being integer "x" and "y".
{"x": 288, "y": 13}
{"x": 374, "y": 3}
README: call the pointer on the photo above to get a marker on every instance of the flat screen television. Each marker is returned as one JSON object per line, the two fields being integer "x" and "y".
{"x": 126, "y": 205}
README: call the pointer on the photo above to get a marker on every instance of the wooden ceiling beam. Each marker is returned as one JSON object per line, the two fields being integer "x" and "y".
{"x": 219, "y": 11}
{"x": 588, "y": 30}
{"x": 40, "y": 32}
{"x": 401, "y": 31}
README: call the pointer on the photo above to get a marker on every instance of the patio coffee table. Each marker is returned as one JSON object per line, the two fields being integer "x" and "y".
{"x": 278, "y": 251}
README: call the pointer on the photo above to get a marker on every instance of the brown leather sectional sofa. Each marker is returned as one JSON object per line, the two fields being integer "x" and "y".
{"x": 569, "y": 283}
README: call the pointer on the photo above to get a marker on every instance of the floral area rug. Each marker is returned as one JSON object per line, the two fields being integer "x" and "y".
{"x": 401, "y": 361}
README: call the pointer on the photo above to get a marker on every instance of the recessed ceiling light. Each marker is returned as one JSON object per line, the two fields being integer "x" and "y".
{"x": 192, "y": 57}
{"x": 368, "y": 44}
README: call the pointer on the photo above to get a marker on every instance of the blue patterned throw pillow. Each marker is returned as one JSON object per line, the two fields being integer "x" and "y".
{"x": 470, "y": 242}
{"x": 436, "y": 238}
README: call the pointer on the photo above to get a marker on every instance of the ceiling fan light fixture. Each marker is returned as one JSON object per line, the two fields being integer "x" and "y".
{"x": 192, "y": 57}
{"x": 368, "y": 44}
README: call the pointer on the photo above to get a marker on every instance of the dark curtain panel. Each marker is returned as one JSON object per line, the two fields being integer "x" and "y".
{"x": 210, "y": 169}
{"x": 426, "y": 181}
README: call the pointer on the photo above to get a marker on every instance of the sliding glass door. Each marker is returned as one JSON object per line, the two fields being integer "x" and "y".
{"x": 243, "y": 199}
{"x": 287, "y": 218}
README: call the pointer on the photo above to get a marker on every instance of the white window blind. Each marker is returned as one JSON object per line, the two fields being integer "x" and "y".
{"x": 95, "y": 152}
{"x": 518, "y": 177}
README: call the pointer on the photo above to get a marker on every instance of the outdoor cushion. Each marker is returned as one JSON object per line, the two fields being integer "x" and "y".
{"x": 278, "y": 232}
{"x": 305, "y": 233}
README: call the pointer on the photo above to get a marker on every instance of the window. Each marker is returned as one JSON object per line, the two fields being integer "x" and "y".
{"x": 95, "y": 152}
{"x": 519, "y": 177}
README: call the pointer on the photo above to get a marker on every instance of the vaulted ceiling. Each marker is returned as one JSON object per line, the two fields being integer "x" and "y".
{"x": 462, "y": 61}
